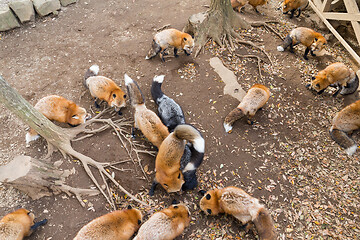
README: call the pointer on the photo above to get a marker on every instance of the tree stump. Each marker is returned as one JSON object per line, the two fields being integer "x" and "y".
{"x": 38, "y": 178}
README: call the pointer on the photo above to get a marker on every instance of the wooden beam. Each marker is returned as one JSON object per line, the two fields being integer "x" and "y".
{"x": 342, "y": 16}
{"x": 352, "y": 7}
{"x": 318, "y": 3}
{"x": 333, "y": 30}
{"x": 325, "y": 6}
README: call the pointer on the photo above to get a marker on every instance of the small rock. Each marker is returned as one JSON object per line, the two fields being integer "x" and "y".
{"x": 67, "y": 2}
{"x": 23, "y": 9}
{"x": 45, "y": 7}
{"x": 7, "y": 19}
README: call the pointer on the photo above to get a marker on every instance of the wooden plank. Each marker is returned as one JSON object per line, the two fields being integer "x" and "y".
{"x": 318, "y": 3}
{"x": 351, "y": 7}
{"x": 342, "y": 16}
{"x": 336, "y": 34}
{"x": 325, "y": 6}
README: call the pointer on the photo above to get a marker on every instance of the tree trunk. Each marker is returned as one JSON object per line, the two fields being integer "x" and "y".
{"x": 29, "y": 115}
{"x": 215, "y": 23}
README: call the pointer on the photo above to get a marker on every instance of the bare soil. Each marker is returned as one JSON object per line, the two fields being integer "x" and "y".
{"x": 286, "y": 158}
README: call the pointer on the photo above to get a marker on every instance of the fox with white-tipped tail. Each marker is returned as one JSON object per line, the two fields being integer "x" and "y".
{"x": 255, "y": 98}
{"x": 144, "y": 119}
{"x": 167, "y": 163}
{"x": 104, "y": 89}
{"x": 344, "y": 123}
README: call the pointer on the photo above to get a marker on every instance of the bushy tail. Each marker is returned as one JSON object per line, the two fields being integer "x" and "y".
{"x": 351, "y": 86}
{"x": 265, "y": 225}
{"x": 92, "y": 71}
{"x": 286, "y": 43}
{"x": 155, "y": 49}
{"x": 38, "y": 224}
{"x": 234, "y": 115}
{"x": 191, "y": 134}
{"x": 32, "y": 135}
{"x": 343, "y": 140}
{"x": 156, "y": 91}
{"x": 135, "y": 94}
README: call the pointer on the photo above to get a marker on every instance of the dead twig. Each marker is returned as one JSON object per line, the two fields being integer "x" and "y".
{"x": 267, "y": 26}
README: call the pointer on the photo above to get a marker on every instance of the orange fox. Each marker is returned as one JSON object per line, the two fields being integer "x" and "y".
{"x": 238, "y": 4}
{"x": 104, "y": 88}
{"x": 255, "y": 98}
{"x": 242, "y": 206}
{"x": 59, "y": 109}
{"x": 145, "y": 120}
{"x": 166, "y": 224}
{"x": 345, "y": 122}
{"x": 306, "y": 37}
{"x": 167, "y": 163}
{"x": 293, "y": 5}
{"x": 170, "y": 37}
{"x": 336, "y": 75}
{"x": 117, "y": 225}
{"x": 18, "y": 224}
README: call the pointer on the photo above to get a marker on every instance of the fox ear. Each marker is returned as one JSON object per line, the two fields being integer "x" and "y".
{"x": 313, "y": 78}
{"x": 202, "y": 192}
{"x": 129, "y": 207}
{"x": 185, "y": 39}
{"x": 316, "y": 39}
{"x": 317, "y": 85}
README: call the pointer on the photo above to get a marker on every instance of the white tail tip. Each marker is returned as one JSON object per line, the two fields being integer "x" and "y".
{"x": 95, "y": 69}
{"x": 199, "y": 144}
{"x": 280, "y": 48}
{"x": 30, "y": 138}
{"x": 351, "y": 150}
{"x": 228, "y": 128}
{"x": 189, "y": 167}
{"x": 159, "y": 79}
{"x": 128, "y": 80}
{"x": 147, "y": 58}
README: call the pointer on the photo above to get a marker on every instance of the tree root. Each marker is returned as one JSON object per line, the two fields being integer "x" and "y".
{"x": 253, "y": 56}
{"x": 268, "y": 27}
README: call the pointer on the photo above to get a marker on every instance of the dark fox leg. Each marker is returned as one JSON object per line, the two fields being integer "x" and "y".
{"x": 96, "y": 103}
{"x": 312, "y": 53}
{"x": 153, "y": 186}
{"x": 175, "y": 52}
{"x": 38, "y": 224}
{"x": 337, "y": 91}
{"x": 307, "y": 50}
{"x": 162, "y": 54}
{"x": 292, "y": 13}
{"x": 299, "y": 9}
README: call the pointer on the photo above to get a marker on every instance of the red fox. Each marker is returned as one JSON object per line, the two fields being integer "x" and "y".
{"x": 145, "y": 120}
{"x": 59, "y": 109}
{"x": 255, "y": 98}
{"x": 120, "y": 225}
{"x": 105, "y": 89}
{"x": 344, "y": 122}
{"x": 18, "y": 224}
{"x": 167, "y": 163}
{"x": 306, "y": 37}
{"x": 242, "y": 206}
{"x": 170, "y": 37}
{"x": 293, "y": 5}
{"x": 238, "y": 4}
{"x": 166, "y": 224}
{"x": 336, "y": 75}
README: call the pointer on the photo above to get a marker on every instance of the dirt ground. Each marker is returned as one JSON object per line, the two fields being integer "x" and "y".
{"x": 286, "y": 158}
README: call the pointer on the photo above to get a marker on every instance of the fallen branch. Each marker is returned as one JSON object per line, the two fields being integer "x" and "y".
{"x": 255, "y": 46}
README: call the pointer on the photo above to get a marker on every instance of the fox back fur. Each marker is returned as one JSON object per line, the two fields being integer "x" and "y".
{"x": 117, "y": 225}
{"x": 242, "y": 206}
{"x": 344, "y": 122}
{"x": 145, "y": 120}
{"x": 166, "y": 224}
